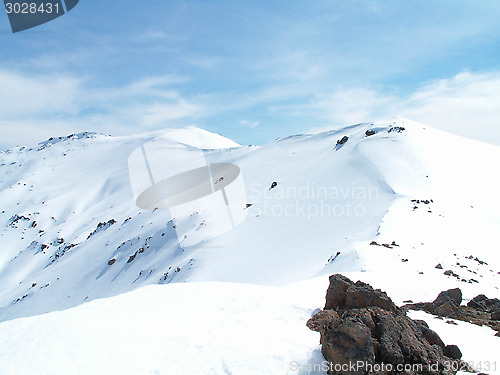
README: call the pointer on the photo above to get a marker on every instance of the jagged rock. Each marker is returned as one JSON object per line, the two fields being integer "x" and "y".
{"x": 481, "y": 310}
{"x": 348, "y": 341}
{"x": 431, "y": 336}
{"x": 336, "y": 292}
{"x": 483, "y": 303}
{"x": 344, "y": 140}
{"x": 321, "y": 319}
{"x": 362, "y": 324}
{"x": 370, "y": 132}
{"x": 493, "y": 304}
{"x": 452, "y": 351}
{"x": 398, "y": 129}
{"x": 446, "y": 304}
{"x": 439, "y": 266}
{"x": 420, "y": 322}
{"x": 450, "y": 273}
{"x": 342, "y": 293}
{"x": 273, "y": 185}
{"x": 132, "y": 257}
{"x": 447, "y": 308}
{"x": 374, "y": 335}
{"x": 475, "y": 304}
{"x": 362, "y": 295}
{"x": 452, "y": 295}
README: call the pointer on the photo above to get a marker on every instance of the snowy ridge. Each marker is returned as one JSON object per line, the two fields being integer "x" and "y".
{"x": 384, "y": 202}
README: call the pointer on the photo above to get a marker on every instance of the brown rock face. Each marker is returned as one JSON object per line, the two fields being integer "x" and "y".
{"x": 431, "y": 336}
{"x": 336, "y": 292}
{"x": 342, "y": 294}
{"x": 348, "y": 341}
{"x": 452, "y": 351}
{"x": 362, "y": 295}
{"x": 447, "y": 308}
{"x": 362, "y": 326}
{"x": 451, "y": 295}
{"x": 480, "y": 310}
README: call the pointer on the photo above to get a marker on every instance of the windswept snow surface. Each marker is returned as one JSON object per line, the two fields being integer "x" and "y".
{"x": 182, "y": 328}
{"x": 70, "y": 233}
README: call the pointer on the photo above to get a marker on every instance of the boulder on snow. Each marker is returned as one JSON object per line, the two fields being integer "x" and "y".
{"x": 480, "y": 310}
{"x": 452, "y": 351}
{"x": 344, "y": 140}
{"x": 370, "y": 132}
{"x": 450, "y": 295}
{"x": 447, "y": 304}
{"x": 341, "y": 142}
{"x": 361, "y": 325}
{"x": 342, "y": 293}
{"x": 483, "y": 303}
{"x": 476, "y": 302}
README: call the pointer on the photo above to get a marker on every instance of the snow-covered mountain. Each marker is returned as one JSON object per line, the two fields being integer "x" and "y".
{"x": 384, "y": 202}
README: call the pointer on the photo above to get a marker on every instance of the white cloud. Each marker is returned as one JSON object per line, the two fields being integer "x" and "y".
{"x": 23, "y": 96}
{"x": 467, "y": 104}
{"x": 35, "y": 107}
{"x": 249, "y": 124}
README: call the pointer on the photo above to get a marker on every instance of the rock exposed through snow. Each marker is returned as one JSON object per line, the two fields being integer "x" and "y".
{"x": 364, "y": 332}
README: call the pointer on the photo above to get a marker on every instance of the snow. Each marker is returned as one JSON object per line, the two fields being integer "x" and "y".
{"x": 248, "y": 292}
{"x": 184, "y": 328}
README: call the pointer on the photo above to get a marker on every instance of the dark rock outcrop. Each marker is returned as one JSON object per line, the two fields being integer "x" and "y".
{"x": 446, "y": 304}
{"x": 480, "y": 310}
{"x": 450, "y": 295}
{"x": 483, "y": 303}
{"x": 344, "y": 139}
{"x": 341, "y": 142}
{"x": 431, "y": 336}
{"x": 452, "y": 351}
{"x": 342, "y": 294}
{"x": 361, "y": 325}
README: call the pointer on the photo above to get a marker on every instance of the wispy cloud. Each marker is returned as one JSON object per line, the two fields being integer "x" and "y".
{"x": 48, "y": 105}
{"x": 36, "y": 107}
{"x": 467, "y": 104}
{"x": 226, "y": 66}
{"x": 249, "y": 124}
{"x": 22, "y": 96}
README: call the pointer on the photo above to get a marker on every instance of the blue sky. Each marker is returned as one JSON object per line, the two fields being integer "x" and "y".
{"x": 252, "y": 70}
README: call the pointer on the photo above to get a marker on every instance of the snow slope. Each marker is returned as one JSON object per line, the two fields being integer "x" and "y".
{"x": 70, "y": 233}
{"x": 203, "y": 328}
